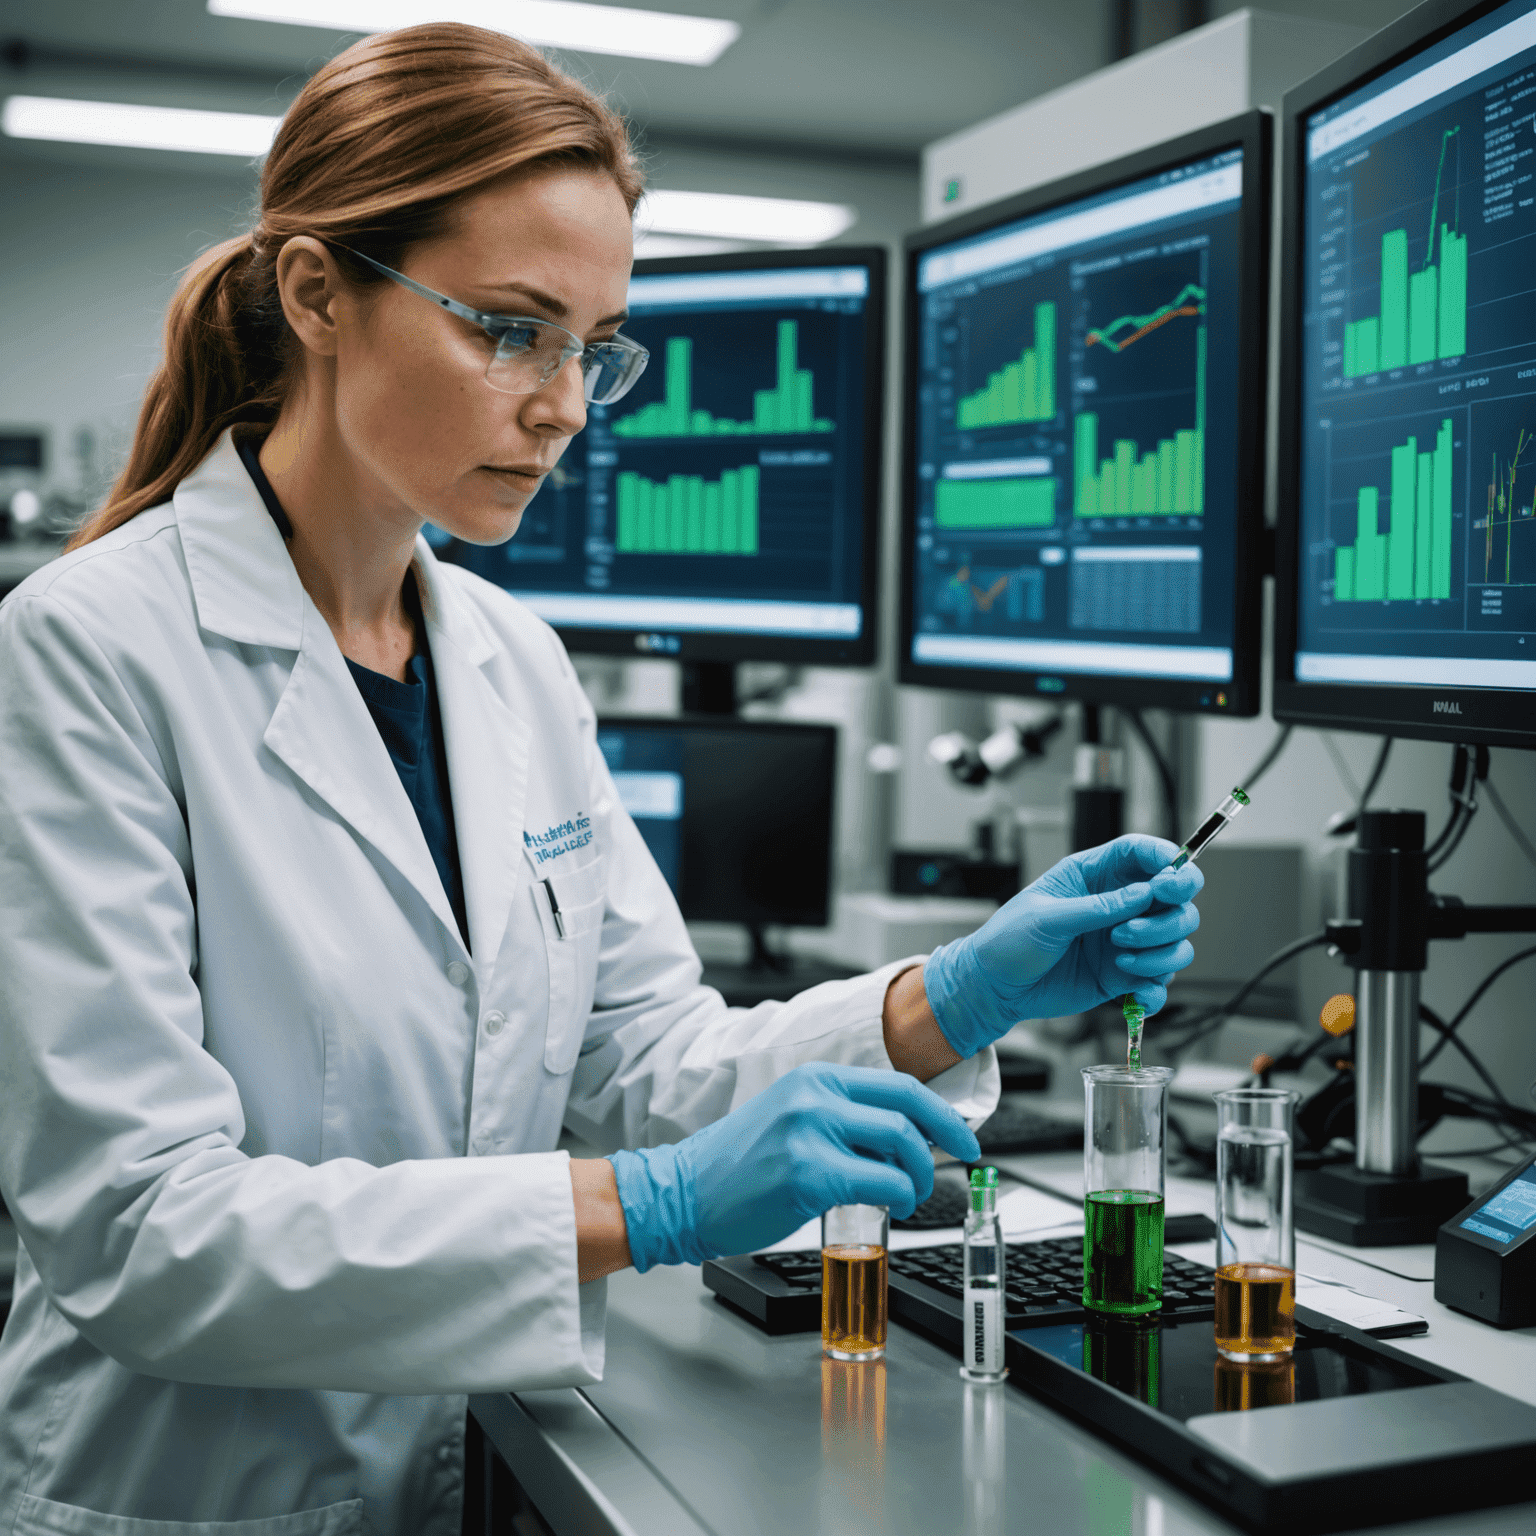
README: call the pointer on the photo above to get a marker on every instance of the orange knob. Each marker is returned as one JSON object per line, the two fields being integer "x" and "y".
{"x": 1338, "y": 1015}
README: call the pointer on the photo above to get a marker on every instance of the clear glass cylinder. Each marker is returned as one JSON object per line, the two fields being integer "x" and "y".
{"x": 1125, "y": 1157}
{"x": 1255, "y": 1227}
{"x": 854, "y": 1243}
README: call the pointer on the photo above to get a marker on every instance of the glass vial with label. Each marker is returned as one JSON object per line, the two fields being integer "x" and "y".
{"x": 985, "y": 1259}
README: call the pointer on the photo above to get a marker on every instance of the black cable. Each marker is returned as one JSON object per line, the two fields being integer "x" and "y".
{"x": 1212, "y": 1019}
{"x": 1474, "y": 1000}
{"x": 1458, "y": 783}
{"x": 1338, "y": 828}
{"x": 1469, "y": 767}
{"x": 1460, "y": 821}
{"x": 1474, "y": 1106}
{"x": 1428, "y": 1016}
{"x": 1496, "y": 800}
{"x": 1164, "y": 772}
{"x": 1265, "y": 763}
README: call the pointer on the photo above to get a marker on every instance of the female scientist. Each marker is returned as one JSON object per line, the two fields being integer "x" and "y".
{"x": 318, "y": 913}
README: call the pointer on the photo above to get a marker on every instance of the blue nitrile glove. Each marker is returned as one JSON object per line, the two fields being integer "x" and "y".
{"x": 1068, "y": 942}
{"x": 823, "y": 1135}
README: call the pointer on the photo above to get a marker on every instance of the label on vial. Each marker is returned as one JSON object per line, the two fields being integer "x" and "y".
{"x": 984, "y": 1330}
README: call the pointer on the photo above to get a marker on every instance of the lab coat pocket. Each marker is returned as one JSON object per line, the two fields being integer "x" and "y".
{"x": 42, "y": 1517}
{"x": 571, "y": 939}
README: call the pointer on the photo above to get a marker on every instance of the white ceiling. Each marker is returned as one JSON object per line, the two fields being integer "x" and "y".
{"x": 875, "y": 78}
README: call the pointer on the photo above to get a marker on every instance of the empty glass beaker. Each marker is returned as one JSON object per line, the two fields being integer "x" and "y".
{"x": 1125, "y": 1134}
{"x": 1255, "y": 1232}
{"x": 854, "y": 1241}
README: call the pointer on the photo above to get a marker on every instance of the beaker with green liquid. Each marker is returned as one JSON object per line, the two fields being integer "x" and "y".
{"x": 1125, "y": 1157}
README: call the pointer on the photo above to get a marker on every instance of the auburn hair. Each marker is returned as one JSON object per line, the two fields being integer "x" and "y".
{"x": 373, "y": 154}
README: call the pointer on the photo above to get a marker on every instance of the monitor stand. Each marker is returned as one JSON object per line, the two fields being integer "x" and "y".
{"x": 769, "y": 977}
{"x": 709, "y": 687}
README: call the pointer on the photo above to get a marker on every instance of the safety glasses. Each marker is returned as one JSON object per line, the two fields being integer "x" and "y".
{"x": 530, "y": 352}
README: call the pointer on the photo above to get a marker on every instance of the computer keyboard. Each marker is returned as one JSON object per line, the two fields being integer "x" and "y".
{"x": 1044, "y": 1280}
{"x": 945, "y": 1207}
{"x": 781, "y": 1292}
{"x": 1014, "y": 1128}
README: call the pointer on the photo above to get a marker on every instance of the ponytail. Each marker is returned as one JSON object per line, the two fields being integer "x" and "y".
{"x": 373, "y": 154}
{"x": 219, "y": 368}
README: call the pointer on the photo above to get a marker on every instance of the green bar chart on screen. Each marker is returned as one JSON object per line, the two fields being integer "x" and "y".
{"x": 788, "y": 407}
{"x": 1019, "y": 391}
{"x": 1168, "y": 478}
{"x": 1412, "y": 559}
{"x": 1423, "y": 314}
{"x": 1002, "y": 503}
{"x": 1507, "y": 513}
{"x": 688, "y": 515}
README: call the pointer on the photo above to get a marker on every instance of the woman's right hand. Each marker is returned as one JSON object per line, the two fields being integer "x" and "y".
{"x": 822, "y": 1135}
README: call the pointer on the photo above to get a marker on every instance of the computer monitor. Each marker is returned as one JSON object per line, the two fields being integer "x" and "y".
{"x": 727, "y": 508}
{"x": 738, "y": 814}
{"x": 1083, "y": 469}
{"x": 1406, "y": 544}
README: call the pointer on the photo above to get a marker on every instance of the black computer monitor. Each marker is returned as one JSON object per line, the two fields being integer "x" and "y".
{"x": 1406, "y": 544}
{"x": 738, "y": 814}
{"x": 727, "y": 509}
{"x": 1083, "y": 469}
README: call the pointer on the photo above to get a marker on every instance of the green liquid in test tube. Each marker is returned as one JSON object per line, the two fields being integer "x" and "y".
{"x": 1216, "y": 822}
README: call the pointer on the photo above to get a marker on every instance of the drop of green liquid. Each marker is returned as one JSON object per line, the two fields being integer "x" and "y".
{"x": 1135, "y": 1017}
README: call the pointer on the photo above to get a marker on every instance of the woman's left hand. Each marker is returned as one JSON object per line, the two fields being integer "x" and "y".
{"x": 1084, "y": 932}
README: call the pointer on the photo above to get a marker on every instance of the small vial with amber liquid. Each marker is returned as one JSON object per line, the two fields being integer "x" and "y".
{"x": 854, "y": 1242}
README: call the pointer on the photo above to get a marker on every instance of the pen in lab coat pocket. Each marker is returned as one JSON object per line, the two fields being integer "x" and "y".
{"x": 554, "y": 909}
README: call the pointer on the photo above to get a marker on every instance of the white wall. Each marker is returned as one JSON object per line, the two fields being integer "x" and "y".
{"x": 89, "y": 258}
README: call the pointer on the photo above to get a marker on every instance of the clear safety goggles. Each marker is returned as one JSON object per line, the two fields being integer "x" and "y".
{"x": 530, "y": 352}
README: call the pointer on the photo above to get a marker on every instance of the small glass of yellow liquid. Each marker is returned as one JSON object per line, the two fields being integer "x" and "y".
{"x": 854, "y": 1242}
{"x": 1255, "y": 1229}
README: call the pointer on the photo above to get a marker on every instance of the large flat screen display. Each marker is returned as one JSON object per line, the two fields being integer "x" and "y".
{"x": 1083, "y": 420}
{"x": 1409, "y": 580}
{"x": 726, "y": 508}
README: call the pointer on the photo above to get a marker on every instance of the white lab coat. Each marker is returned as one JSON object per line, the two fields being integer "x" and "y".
{"x": 279, "y": 1148}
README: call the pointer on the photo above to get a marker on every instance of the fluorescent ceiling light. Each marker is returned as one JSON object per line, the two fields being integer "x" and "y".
{"x": 138, "y": 127}
{"x": 731, "y": 216}
{"x": 647, "y": 244}
{"x": 551, "y": 23}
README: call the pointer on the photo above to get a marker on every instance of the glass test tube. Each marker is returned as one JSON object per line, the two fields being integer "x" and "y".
{"x": 854, "y": 1243}
{"x": 1125, "y": 1135}
{"x": 1255, "y": 1232}
{"x": 1213, "y": 824}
